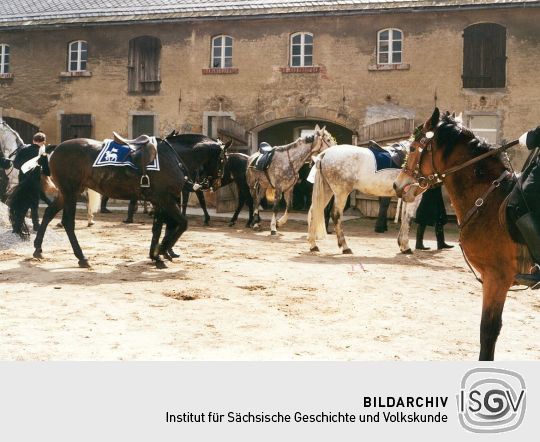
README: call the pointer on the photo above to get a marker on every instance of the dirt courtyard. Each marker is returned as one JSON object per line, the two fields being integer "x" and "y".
{"x": 236, "y": 294}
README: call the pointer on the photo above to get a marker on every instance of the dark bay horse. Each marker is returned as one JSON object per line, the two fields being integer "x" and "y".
{"x": 444, "y": 150}
{"x": 72, "y": 172}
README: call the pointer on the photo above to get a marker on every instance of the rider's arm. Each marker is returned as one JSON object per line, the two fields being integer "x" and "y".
{"x": 531, "y": 139}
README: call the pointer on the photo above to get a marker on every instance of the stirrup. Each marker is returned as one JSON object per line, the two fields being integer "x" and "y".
{"x": 531, "y": 280}
{"x": 145, "y": 181}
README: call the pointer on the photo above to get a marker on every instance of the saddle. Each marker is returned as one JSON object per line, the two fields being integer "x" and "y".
{"x": 264, "y": 159}
{"x": 144, "y": 151}
{"x": 397, "y": 152}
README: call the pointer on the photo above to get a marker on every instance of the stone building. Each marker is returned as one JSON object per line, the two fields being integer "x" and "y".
{"x": 268, "y": 70}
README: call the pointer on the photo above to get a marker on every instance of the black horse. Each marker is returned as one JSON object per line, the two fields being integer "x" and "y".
{"x": 234, "y": 171}
{"x": 72, "y": 172}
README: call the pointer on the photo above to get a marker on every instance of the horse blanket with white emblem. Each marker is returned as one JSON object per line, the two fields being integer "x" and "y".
{"x": 114, "y": 154}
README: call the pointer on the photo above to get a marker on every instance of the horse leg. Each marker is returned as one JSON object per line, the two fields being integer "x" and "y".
{"x": 288, "y": 195}
{"x": 89, "y": 213}
{"x": 337, "y": 216}
{"x": 257, "y": 194}
{"x": 132, "y": 208}
{"x": 176, "y": 226}
{"x": 327, "y": 212}
{"x": 275, "y": 210}
{"x": 185, "y": 198}
{"x": 249, "y": 200}
{"x": 381, "y": 225}
{"x": 202, "y": 202}
{"x": 403, "y": 235}
{"x": 241, "y": 201}
{"x": 157, "y": 227}
{"x": 50, "y": 212}
{"x": 68, "y": 221}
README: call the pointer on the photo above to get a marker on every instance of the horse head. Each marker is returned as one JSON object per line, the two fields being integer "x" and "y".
{"x": 215, "y": 164}
{"x": 10, "y": 140}
{"x": 322, "y": 140}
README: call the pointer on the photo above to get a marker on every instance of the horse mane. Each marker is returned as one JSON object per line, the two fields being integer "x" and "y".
{"x": 307, "y": 139}
{"x": 192, "y": 141}
{"x": 450, "y": 132}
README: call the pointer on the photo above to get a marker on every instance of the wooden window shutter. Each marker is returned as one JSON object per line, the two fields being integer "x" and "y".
{"x": 76, "y": 126}
{"x": 484, "y": 56}
{"x": 144, "y": 59}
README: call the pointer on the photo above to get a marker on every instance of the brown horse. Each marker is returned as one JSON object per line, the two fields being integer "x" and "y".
{"x": 71, "y": 171}
{"x": 477, "y": 182}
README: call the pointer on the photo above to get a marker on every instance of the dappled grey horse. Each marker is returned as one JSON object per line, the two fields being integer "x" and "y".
{"x": 282, "y": 173}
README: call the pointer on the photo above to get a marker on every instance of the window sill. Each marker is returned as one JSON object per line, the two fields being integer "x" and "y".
{"x": 7, "y": 76}
{"x": 76, "y": 74}
{"x": 219, "y": 71}
{"x": 301, "y": 70}
{"x": 389, "y": 67}
{"x": 484, "y": 90}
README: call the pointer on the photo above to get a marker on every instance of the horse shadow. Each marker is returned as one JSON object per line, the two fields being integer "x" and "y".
{"x": 138, "y": 271}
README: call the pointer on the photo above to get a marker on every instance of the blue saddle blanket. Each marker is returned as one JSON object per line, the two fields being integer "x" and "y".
{"x": 114, "y": 154}
{"x": 383, "y": 159}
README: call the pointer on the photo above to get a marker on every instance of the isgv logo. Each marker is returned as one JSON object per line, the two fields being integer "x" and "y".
{"x": 491, "y": 400}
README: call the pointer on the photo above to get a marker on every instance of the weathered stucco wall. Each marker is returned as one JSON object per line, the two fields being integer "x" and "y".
{"x": 345, "y": 91}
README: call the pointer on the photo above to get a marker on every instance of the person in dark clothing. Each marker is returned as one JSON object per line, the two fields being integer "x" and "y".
{"x": 528, "y": 224}
{"x": 5, "y": 163}
{"x": 22, "y": 162}
{"x": 431, "y": 211}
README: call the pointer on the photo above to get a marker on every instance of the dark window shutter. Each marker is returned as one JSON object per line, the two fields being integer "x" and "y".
{"x": 24, "y": 129}
{"x": 76, "y": 126}
{"x": 484, "y": 56}
{"x": 143, "y": 124}
{"x": 143, "y": 65}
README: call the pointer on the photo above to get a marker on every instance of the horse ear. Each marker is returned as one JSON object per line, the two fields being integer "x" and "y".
{"x": 323, "y": 129}
{"x": 453, "y": 115}
{"x": 434, "y": 120}
{"x": 317, "y": 128}
{"x": 227, "y": 145}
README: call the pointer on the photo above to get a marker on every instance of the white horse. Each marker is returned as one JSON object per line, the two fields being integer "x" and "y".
{"x": 282, "y": 174}
{"x": 340, "y": 170}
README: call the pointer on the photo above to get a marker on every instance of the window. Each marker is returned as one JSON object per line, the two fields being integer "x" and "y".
{"x": 484, "y": 56}
{"x": 76, "y": 126}
{"x": 389, "y": 46}
{"x": 485, "y": 126}
{"x": 222, "y": 51}
{"x": 4, "y": 59}
{"x": 301, "y": 49}
{"x": 143, "y": 65}
{"x": 142, "y": 124}
{"x": 77, "y": 56}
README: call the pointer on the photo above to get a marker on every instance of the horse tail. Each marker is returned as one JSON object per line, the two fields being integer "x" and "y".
{"x": 23, "y": 196}
{"x": 270, "y": 195}
{"x": 94, "y": 201}
{"x": 319, "y": 200}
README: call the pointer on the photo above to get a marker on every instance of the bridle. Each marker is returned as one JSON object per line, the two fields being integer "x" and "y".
{"x": 425, "y": 144}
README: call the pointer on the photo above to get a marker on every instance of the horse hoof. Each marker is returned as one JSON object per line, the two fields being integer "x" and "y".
{"x": 347, "y": 252}
{"x": 231, "y": 224}
{"x": 206, "y": 223}
{"x": 38, "y": 254}
{"x": 273, "y": 232}
{"x": 172, "y": 254}
{"x": 314, "y": 249}
{"x": 91, "y": 224}
{"x": 161, "y": 264}
{"x": 407, "y": 252}
{"x": 256, "y": 227}
{"x": 84, "y": 264}
{"x": 128, "y": 221}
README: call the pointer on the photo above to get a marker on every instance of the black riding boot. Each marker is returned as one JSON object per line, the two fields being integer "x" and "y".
{"x": 439, "y": 234}
{"x": 104, "y": 209}
{"x": 529, "y": 227}
{"x": 420, "y": 237}
{"x": 381, "y": 225}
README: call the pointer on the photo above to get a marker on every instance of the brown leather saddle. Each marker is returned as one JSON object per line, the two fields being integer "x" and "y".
{"x": 144, "y": 151}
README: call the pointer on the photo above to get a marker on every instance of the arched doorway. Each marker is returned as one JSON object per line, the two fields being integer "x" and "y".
{"x": 285, "y": 132}
{"x": 25, "y": 129}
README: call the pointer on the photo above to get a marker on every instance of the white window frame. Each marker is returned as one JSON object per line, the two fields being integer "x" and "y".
{"x": 4, "y": 67}
{"x": 302, "y": 49}
{"x": 78, "y": 55}
{"x": 482, "y": 131}
{"x": 222, "y": 57}
{"x": 390, "y": 51}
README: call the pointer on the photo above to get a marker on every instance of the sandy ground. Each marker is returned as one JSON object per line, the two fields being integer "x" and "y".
{"x": 240, "y": 295}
